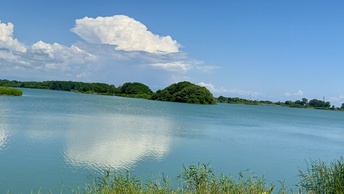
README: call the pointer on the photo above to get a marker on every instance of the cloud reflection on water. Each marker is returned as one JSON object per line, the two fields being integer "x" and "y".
{"x": 3, "y": 128}
{"x": 3, "y": 136}
{"x": 121, "y": 142}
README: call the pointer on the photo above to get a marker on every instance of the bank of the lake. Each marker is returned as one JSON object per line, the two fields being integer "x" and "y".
{"x": 5, "y": 91}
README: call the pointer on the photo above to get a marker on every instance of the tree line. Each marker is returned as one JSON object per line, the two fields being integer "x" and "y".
{"x": 303, "y": 103}
{"x": 185, "y": 92}
{"x": 97, "y": 88}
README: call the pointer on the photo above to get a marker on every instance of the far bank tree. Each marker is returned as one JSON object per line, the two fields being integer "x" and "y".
{"x": 185, "y": 92}
{"x": 135, "y": 89}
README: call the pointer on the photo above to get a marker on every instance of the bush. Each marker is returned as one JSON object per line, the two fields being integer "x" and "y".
{"x": 10, "y": 92}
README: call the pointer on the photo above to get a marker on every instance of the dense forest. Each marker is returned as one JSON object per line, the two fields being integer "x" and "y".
{"x": 180, "y": 92}
{"x": 303, "y": 103}
{"x": 96, "y": 88}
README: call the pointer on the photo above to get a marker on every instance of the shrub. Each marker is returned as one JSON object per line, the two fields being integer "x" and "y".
{"x": 10, "y": 92}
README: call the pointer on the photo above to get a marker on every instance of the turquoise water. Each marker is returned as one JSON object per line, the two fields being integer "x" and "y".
{"x": 56, "y": 140}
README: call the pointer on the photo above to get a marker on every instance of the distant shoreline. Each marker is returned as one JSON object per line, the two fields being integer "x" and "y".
{"x": 303, "y": 103}
{"x": 185, "y": 92}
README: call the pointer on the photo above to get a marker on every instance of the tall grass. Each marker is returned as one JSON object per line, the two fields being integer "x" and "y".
{"x": 198, "y": 179}
{"x": 321, "y": 177}
{"x": 318, "y": 178}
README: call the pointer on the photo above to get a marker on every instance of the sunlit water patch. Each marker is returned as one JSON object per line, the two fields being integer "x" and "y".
{"x": 116, "y": 141}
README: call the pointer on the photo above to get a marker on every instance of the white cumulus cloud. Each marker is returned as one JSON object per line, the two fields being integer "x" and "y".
{"x": 41, "y": 58}
{"x": 210, "y": 87}
{"x": 67, "y": 55}
{"x": 123, "y": 32}
{"x": 337, "y": 99}
{"x": 298, "y": 93}
{"x": 7, "y": 40}
{"x": 116, "y": 49}
{"x": 222, "y": 90}
{"x": 178, "y": 66}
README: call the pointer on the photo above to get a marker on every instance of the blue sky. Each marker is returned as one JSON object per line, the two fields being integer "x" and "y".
{"x": 269, "y": 50}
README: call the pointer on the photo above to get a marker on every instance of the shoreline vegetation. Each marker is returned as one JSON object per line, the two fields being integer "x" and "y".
{"x": 319, "y": 177}
{"x": 6, "y": 91}
{"x": 184, "y": 92}
{"x": 303, "y": 103}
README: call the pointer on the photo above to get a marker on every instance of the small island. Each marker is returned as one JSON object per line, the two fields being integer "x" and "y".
{"x": 5, "y": 91}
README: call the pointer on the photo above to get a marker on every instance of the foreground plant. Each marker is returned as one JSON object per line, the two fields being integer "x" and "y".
{"x": 116, "y": 182}
{"x": 320, "y": 177}
{"x": 201, "y": 179}
{"x": 198, "y": 179}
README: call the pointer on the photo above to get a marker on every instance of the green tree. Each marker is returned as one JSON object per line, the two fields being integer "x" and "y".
{"x": 319, "y": 103}
{"x": 304, "y": 101}
{"x": 222, "y": 99}
{"x": 162, "y": 95}
{"x": 185, "y": 92}
{"x": 298, "y": 102}
{"x": 135, "y": 88}
{"x": 288, "y": 102}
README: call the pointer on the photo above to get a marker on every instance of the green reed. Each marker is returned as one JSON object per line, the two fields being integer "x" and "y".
{"x": 196, "y": 179}
{"x": 321, "y": 177}
{"x": 318, "y": 178}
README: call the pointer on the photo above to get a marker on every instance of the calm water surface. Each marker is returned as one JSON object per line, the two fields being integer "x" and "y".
{"x": 55, "y": 140}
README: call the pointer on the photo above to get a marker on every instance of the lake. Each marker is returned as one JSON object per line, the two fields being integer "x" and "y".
{"x": 57, "y": 140}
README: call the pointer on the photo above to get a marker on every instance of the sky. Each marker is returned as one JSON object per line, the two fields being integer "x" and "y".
{"x": 260, "y": 50}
